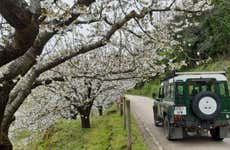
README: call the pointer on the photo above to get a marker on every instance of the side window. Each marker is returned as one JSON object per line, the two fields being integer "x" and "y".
{"x": 165, "y": 91}
{"x": 190, "y": 88}
{"x": 222, "y": 89}
{"x": 172, "y": 91}
{"x": 161, "y": 92}
{"x": 168, "y": 91}
{"x": 180, "y": 89}
{"x": 212, "y": 88}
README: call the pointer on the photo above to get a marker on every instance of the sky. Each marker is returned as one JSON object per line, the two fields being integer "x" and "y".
{"x": 70, "y": 2}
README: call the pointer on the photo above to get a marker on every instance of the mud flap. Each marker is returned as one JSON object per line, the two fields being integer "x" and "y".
{"x": 176, "y": 133}
{"x": 224, "y": 132}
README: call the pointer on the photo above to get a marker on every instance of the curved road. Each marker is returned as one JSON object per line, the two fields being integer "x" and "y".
{"x": 142, "y": 110}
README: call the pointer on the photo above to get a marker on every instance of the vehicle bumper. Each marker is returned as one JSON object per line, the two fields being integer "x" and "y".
{"x": 203, "y": 124}
{"x": 224, "y": 126}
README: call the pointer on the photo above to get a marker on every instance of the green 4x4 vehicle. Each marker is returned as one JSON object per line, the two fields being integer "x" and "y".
{"x": 193, "y": 102}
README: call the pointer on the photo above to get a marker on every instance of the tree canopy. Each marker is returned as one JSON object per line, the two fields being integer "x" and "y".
{"x": 38, "y": 36}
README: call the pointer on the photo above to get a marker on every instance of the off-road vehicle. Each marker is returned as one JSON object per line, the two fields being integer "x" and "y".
{"x": 195, "y": 102}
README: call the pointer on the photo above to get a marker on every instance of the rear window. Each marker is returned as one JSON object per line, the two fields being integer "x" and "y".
{"x": 204, "y": 88}
{"x": 194, "y": 87}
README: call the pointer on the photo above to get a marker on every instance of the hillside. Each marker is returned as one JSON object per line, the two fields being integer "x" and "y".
{"x": 152, "y": 86}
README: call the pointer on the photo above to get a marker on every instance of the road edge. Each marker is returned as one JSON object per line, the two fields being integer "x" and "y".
{"x": 149, "y": 139}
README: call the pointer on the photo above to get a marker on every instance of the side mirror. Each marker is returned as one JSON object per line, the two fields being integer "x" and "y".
{"x": 153, "y": 95}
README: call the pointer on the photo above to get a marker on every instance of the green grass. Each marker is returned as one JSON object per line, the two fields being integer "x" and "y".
{"x": 219, "y": 65}
{"x": 147, "y": 90}
{"x": 22, "y": 134}
{"x": 153, "y": 86}
{"x": 107, "y": 133}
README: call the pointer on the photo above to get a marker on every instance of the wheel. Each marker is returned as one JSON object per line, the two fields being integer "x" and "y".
{"x": 157, "y": 122}
{"x": 167, "y": 131}
{"x": 215, "y": 133}
{"x": 206, "y": 105}
{"x": 172, "y": 133}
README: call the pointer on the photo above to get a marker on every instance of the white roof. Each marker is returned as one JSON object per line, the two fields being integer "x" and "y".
{"x": 192, "y": 73}
{"x": 218, "y": 77}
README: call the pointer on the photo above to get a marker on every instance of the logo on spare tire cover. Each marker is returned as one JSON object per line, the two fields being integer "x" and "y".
{"x": 206, "y": 105}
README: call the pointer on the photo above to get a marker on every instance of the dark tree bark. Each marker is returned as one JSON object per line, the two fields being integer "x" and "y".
{"x": 100, "y": 110}
{"x": 4, "y": 96}
{"x": 85, "y": 2}
{"x": 85, "y": 121}
{"x": 26, "y": 29}
{"x": 5, "y": 143}
{"x": 84, "y": 112}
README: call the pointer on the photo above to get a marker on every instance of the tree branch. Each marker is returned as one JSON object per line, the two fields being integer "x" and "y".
{"x": 47, "y": 81}
{"x": 85, "y": 2}
{"x": 22, "y": 64}
{"x": 8, "y": 53}
{"x": 89, "y": 47}
{"x": 16, "y": 13}
{"x": 35, "y": 7}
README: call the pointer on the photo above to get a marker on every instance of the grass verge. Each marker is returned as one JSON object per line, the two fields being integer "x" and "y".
{"x": 107, "y": 133}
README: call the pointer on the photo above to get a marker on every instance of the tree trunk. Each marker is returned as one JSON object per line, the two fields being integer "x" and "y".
{"x": 5, "y": 143}
{"x": 85, "y": 121}
{"x": 84, "y": 112}
{"x": 4, "y": 96}
{"x": 100, "y": 110}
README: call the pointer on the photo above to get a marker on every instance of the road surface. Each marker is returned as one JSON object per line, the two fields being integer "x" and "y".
{"x": 141, "y": 108}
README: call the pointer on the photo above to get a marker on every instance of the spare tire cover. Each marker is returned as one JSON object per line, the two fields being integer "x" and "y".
{"x": 206, "y": 105}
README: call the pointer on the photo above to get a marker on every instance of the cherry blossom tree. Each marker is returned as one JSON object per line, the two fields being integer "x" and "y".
{"x": 32, "y": 35}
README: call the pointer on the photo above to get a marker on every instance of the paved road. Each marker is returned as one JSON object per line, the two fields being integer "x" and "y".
{"x": 142, "y": 109}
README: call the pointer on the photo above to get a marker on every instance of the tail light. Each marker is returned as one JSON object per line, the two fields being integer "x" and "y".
{"x": 177, "y": 118}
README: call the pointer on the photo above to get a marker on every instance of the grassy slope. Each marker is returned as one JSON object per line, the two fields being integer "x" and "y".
{"x": 147, "y": 89}
{"x": 219, "y": 65}
{"x": 106, "y": 133}
{"x": 153, "y": 86}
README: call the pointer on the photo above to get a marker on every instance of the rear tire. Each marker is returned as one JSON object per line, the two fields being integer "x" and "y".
{"x": 215, "y": 133}
{"x": 157, "y": 122}
{"x": 167, "y": 130}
